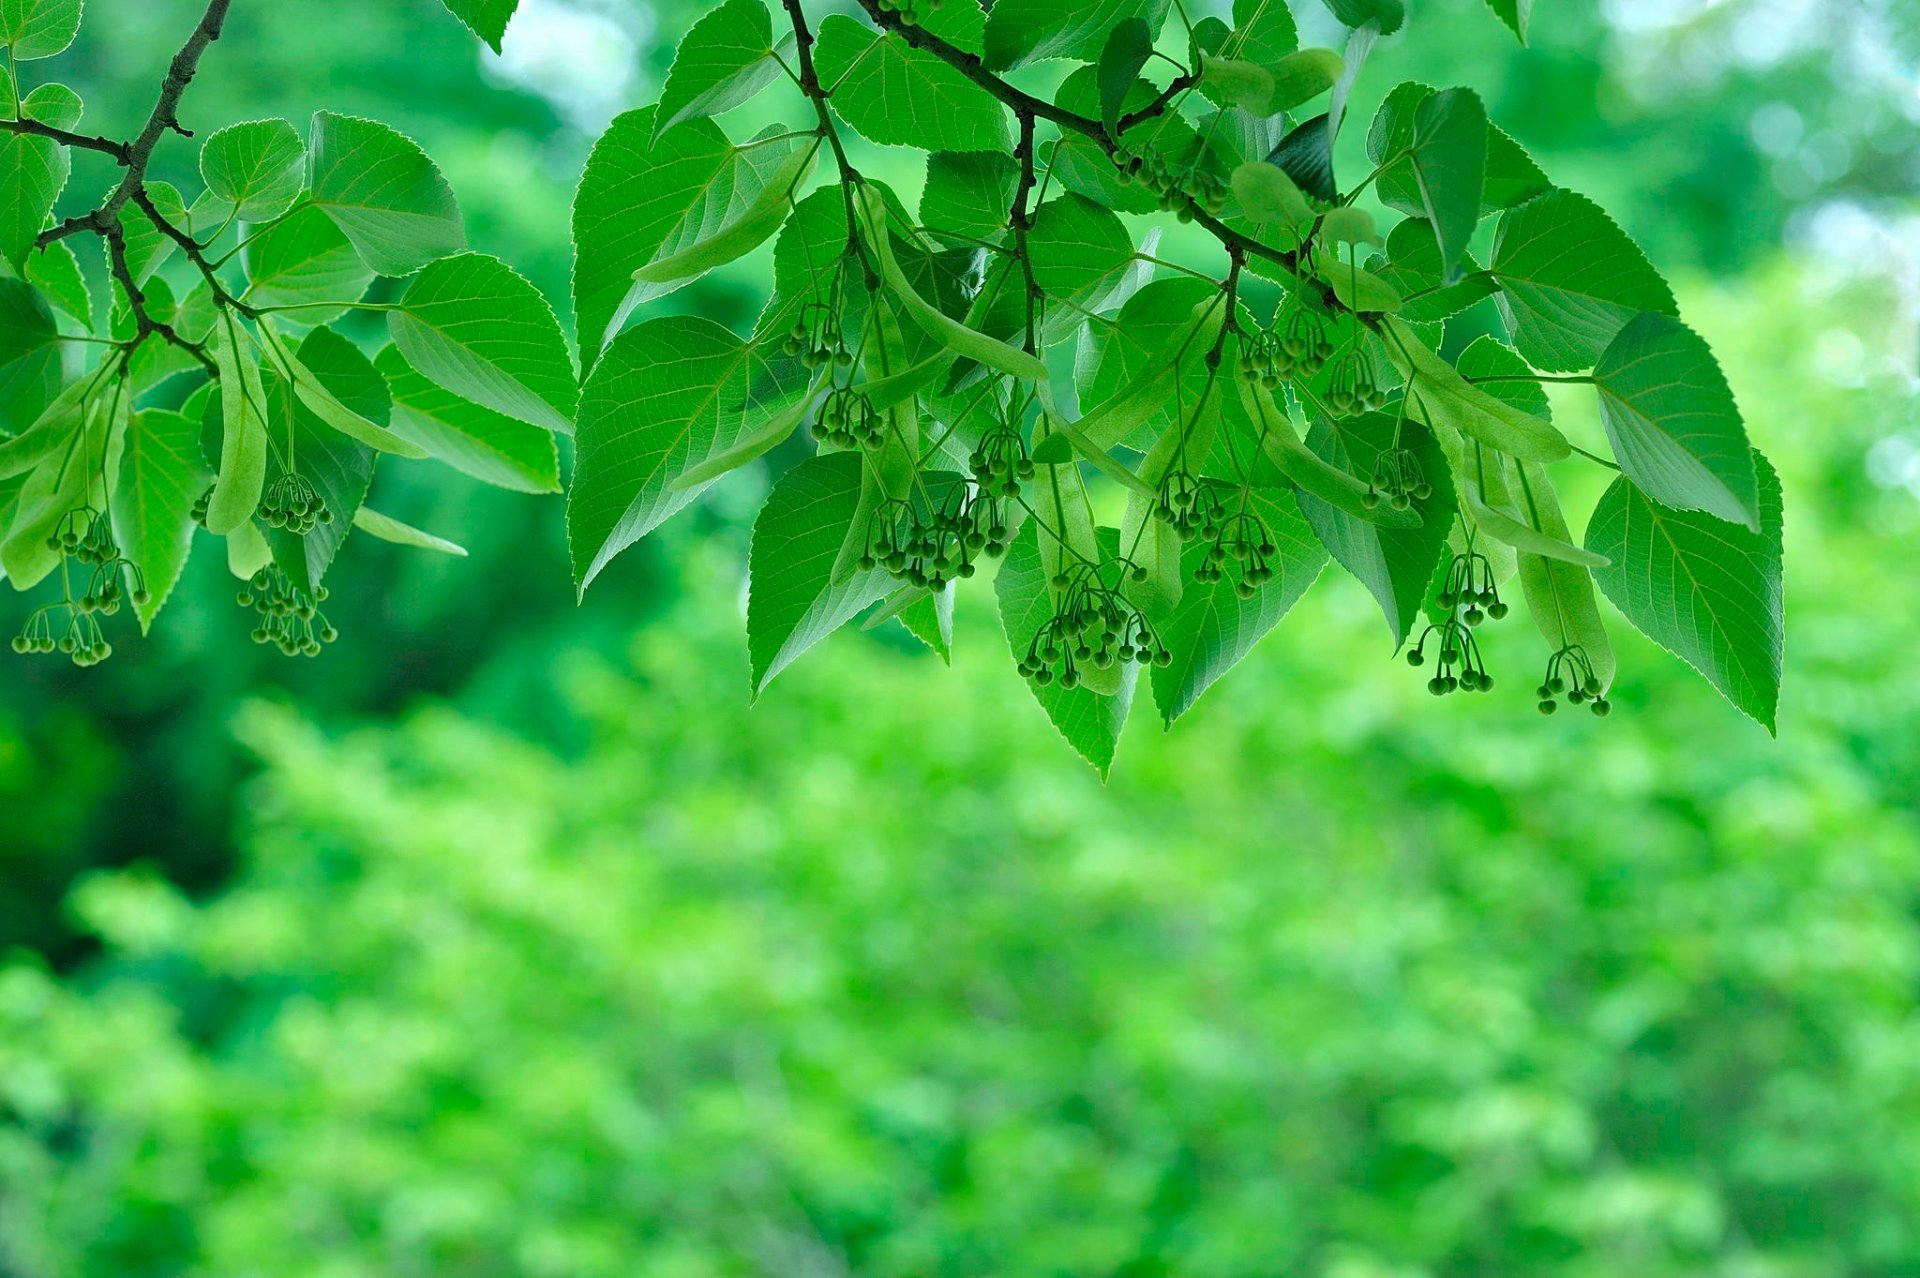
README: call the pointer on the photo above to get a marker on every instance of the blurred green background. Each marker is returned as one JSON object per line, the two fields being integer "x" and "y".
{"x": 507, "y": 938}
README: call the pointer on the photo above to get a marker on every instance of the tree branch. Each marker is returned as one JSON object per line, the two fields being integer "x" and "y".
{"x": 79, "y": 141}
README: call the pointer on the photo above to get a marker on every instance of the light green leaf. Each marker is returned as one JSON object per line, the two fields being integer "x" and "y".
{"x": 470, "y": 437}
{"x": 1214, "y": 628}
{"x": 1300, "y": 76}
{"x": 755, "y": 444}
{"x": 793, "y": 601}
{"x": 475, "y": 327}
{"x": 33, "y": 170}
{"x": 1267, "y": 194}
{"x": 1675, "y": 429}
{"x": 1570, "y": 279}
{"x": 1706, "y": 590}
{"x": 1515, "y": 13}
{"x": 387, "y": 528}
{"x": 310, "y": 389}
{"x": 1263, "y": 32}
{"x": 897, "y": 95}
{"x": 383, "y": 192}
{"x": 1358, "y": 290}
{"x": 928, "y": 617}
{"x": 38, "y": 28}
{"x": 1247, "y": 85}
{"x": 147, "y": 246}
{"x": 243, "y": 415}
{"x": 1388, "y": 14}
{"x": 1022, "y": 31}
{"x": 162, "y": 474}
{"x": 90, "y": 426}
{"x": 485, "y": 18}
{"x": 1393, "y": 563}
{"x": 725, "y": 60}
{"x": 29, "y": 355}
{"x": 1439, "y": 396}
{"x": 668, "y": 395}
{"x": 754, "y": 225}
{"x": 257, "y": 167}
{"x": 1348, "y": 225}
{"x": 301, "y": 260}
{"x": 55, "y": 271}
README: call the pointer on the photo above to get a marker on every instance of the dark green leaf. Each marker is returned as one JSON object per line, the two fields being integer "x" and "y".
{"x": 725, "y": 59}
{"x": 897, "y": 95}
{"x": 1515, "y": 13}
{"x": 485, "y": 18}
{"x": 968, "y": 193}
{"x": 1388, "y": 14}
{"x": 29, "y": 355}
{"x": 1128, "y": 47}
{"x": 162, "y": 473}
{"x": 1020, "y": 31}
{"x": 1307, "y": 156}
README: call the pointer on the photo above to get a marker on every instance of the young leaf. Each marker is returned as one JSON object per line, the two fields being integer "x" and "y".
{"x": 1090, "y": 721}
{"x": 896, "y": 95}
{"x": 1268, "y": 195}
{"x": 29, "y": 355}
{"x": 162, "y": 474}
{"x": 485, "y": 18}
{"x": 32, "y": 172}
{"x": 38, "y": 28}
{"x": 1570, "y": 279}
{"x": 1022, "y": 31}
{"x": 792, "y": 600}
{"x": 668, "y": 395}
{"x": 301, "y": 260}
{"x": 56, "y": 272}
{"x": 474, "y": 326}
{"x": 1394, "y": 564}
{"x": 243, "y": 439}
{"x": 383, "y": 193}
{"x": 256, "y": 167}
{"x": 1128, "y": 47}
{"x": 470, "y": 437}
{"x": 1706, "y": 590}
{"x": 387, "y": 528}
{"x": 1263, "y": 32}
{"x": 1247, "y": 85}
{"x": 1213, "y": 628}
{"x": 725, "y": 59}
{"x": 752, "y": 227}
{"x": 1674, "y": 426}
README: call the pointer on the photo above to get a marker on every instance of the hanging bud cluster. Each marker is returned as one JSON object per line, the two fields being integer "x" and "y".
{"x": 1178, "y": 186}
{"x": 1570, "y": 673}
{"x": 292, "y": 503}
{"x": 1353, "y": 387}
{"x": 79, "y": 638}
{"x": 289, "y": 618}
{"x": 1459, "y": 665}
{"x": 1000, "y": 462}
{"x": 1244, "y": 541}
{"x": 1469, "y": 586}
{"x": 848, "y": 419}
{"x": 84, "y": 537}
{"x": 1094, "y": 625}
{"x": 1190, "y": 505}
{"x": 930, "y": 544}
{"x": 816, "y": 338}
{"x": 1399, "y": 480}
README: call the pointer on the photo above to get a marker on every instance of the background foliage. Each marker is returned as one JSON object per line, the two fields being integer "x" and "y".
{"x": 567, "y": 961}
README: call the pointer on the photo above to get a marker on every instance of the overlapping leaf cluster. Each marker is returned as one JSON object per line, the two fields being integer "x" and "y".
{"x": 233, "y": 406}
{"x": 995, "y": 367}
{"x": 998, "y": 367}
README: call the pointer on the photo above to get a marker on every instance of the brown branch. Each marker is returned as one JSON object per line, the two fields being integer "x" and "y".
{"x": 65, "y": 137}
{"x": 144, "y": 324}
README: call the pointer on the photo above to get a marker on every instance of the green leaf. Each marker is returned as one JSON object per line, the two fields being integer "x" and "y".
{"x": 32, "y": 172}
{"x": 1247, "y": 85}
{"x": 1263, "y": 31}
{"x": 793, "y": 601}
{"x": 38, "y": 28}
{"x": 1515, "y": 13}
{"x": 387, "y": 528}
{"x": 1433, "y": 151}
{"x": 334, "y": 375}
{"x": 1150, "y": 362}
{"x": 316, "y": 397}
{"x": 1128, "y": 47}
{"x": 1213, "y": 628}
{"x": 754, "y": 224}
{"x": 957, "y": 337}
{"x": 1439, "y": 396}
{"x": 1084, "y": 167}
{"x": 1512, "y": 176}
{"x": 725, "y": 60}
{"x": 897, "y": 95}
{"x": 29, "y": 355}
{"x": 1414, "y": 269}
{"x": 1570, "y": 279}
{"x": 470, "y": 437}
{"x": 301, "y": 260}
{"x": 1268, "y": 195}
{"x": 668, "y": 395}
{"x": 928, "y": 617}
{"x": 1708, "y": 591}
{"x": 55, "y": 271}
{"x": 1394, "y": 564}
{"x": 1022, "y": 31}
{"x": 485, "y": 18}
{"x": 257, "y": 167}
{"x": 968, "y": 193}
{"x": 753, "y": 445}
{"x": 1300, "y": 76}
{"x": 475, "y": 327}
{"x": 1675, "y": 429}
{"x": 87, "y": 426}
{"x": 162, "y": 474}
{"x": 1090, "y": 721}
{"x": 1389, "y": 14}
{"x": 383, "y": 192}
{"x": 243, "y": 415}
{"x": 640, "y": 200}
